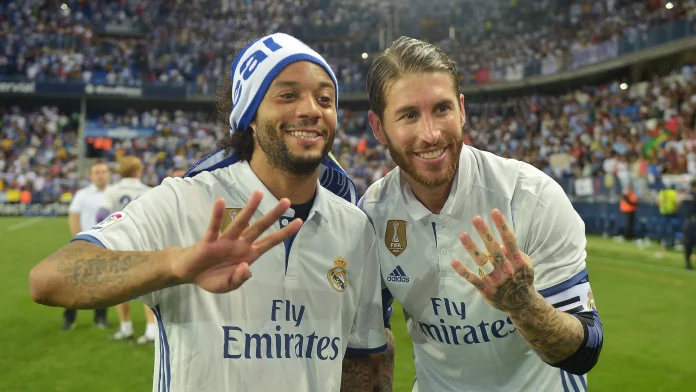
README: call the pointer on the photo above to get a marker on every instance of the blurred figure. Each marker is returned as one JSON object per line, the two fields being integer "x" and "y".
{"x": 83, "y": 216}
{"x": 116, "y": 198}
{"x": 629, "y": 205}
{"x": 668, "y": 205}
{"x": 689, "y": 208}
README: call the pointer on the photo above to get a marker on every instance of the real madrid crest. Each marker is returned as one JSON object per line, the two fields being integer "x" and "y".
{"x": 230, "y": 214}
{"x": 590, "y": 301}
{"x": 338, "y": 276}
{"x": 395, "y": 236}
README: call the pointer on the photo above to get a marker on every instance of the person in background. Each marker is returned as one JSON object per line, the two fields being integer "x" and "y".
{"x": 82, "y": 216}
{"x": 629, "y": 205}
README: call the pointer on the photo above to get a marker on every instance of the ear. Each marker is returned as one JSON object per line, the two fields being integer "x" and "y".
{"x": 376, "y": 125}
{"x": 462, "y": 119}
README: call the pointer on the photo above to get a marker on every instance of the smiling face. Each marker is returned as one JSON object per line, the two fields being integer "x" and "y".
{"x": 295, "y": 125}
{"x": 422, "y": 126}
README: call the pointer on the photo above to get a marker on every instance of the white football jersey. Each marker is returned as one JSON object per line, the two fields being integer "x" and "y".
{"x": 288, "y": 327}
{"x": 86, "y": 202}
{"x": 117, "y": 196}
{"x": 462, "y": 343}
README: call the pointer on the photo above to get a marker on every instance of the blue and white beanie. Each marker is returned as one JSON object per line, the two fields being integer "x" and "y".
{"x": 253, "y": 71}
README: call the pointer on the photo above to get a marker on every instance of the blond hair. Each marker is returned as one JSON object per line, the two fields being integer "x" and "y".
{"x": 130, "y": 166}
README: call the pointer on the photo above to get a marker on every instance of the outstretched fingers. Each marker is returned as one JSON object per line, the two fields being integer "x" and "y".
{"x": 262, "y": 224}
{"x": 275, "y": 238}
{"x": 213, "y": 230}
{"x": 241, "y": 221}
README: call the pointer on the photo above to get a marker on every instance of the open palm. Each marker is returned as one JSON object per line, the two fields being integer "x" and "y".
{"x": 219, "y": 263}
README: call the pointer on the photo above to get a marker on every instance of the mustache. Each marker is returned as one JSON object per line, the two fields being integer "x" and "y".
{"x": 444, "y": 141}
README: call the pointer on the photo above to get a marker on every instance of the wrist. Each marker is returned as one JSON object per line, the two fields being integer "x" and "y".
{"x": 535, "y": 307}
{"x": 168, "y": 266}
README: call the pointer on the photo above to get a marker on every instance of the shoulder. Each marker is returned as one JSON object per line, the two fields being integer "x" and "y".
{"x": 513, "y": 179}
{"x": 384, "y": 190}
{"x": 345, "y": 210}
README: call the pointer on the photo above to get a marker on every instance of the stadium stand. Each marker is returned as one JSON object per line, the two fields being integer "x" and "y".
{"x": 192, "y": 43}
{"x": 139, "y": 77}
{"x": 635, "y": 135}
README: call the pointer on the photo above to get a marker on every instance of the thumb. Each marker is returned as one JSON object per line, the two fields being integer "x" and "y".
{"x": 239, "y": 275}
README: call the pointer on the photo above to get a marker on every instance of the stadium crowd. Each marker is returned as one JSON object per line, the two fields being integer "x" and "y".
{"x": 192, "y": 42}
{"x": 635, "y": 134}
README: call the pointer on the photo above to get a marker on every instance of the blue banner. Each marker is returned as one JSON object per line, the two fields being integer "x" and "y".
{"x": 121, "y": 132}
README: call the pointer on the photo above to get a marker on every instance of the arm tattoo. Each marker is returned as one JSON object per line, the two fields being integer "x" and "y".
{"x": 553, "y": 335}
{"x": 94, "y": 277}
{"x": 386, "y": 366}
{"x": 370, "y": 372}
{"x": 357, "y": 373}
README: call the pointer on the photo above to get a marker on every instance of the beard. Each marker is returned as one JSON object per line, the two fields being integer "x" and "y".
{"x": 454, "y": 144}
{"x": 271, "y": 141}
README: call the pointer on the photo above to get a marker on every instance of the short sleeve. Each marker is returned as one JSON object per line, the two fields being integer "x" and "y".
{"x": 556, "y": 242}
{"x": 367, "y": 334}
{"x": 76, "y": 203}
{"x": 149, "y": 223}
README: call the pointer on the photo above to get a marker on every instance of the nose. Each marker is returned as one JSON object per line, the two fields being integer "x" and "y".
{"x": 431, "y": 131}
{"x": 308, "y": 107}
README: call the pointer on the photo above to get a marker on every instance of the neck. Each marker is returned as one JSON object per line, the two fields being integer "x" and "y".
{"x": 298, "y": 189}
{"x": 433, "y": 199}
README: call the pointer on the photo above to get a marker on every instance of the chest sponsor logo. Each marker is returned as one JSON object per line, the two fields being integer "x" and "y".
{"x": 395, "y": 237}
{"x": 457, "y": 326}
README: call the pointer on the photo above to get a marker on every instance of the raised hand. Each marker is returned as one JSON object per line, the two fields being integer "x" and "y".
{"x": 508, "y": 279}
{"x": 219, "y": 263}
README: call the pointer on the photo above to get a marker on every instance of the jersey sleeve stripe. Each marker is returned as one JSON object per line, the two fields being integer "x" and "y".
{"x": 160, "y": 373}
{"x": 366, "y": 350}
{"x": 563, "y": 381}
{"x": 566, "y": 302}
{"x": 571, "y": 377}
{"x": 575, "y": 309}
{"x": 582, "y": 381}
{"x": 163, "y": 337}
{"x": 553, "y": 290}
{"x": 88, "y": 238}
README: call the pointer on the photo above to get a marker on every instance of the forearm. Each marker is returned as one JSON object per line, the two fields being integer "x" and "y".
{"x": 74, "y": 223}
{"x": 384, "y": 365}
{"x": 82, "y": 275}
{"x": 358, "y": 373}
{"x": 369, "y": 372}
{"x": 553, "y": 335}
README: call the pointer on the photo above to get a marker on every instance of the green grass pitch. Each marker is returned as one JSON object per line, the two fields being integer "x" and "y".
{"x": 648, "y": 307}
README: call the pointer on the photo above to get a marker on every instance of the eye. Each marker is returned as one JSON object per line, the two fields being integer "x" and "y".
{"x": 410, "y": 116}
{"x": 288, "y": 95}
{"x": 325, "y": 100}
{"x": 444, "y": 108}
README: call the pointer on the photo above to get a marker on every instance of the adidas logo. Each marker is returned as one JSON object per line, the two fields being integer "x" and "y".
{"x": 398, "y": 275}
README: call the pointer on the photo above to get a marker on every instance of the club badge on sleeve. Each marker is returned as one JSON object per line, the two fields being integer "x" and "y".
{"x": 395, "y": 236}
{"x": 338, "y": 276}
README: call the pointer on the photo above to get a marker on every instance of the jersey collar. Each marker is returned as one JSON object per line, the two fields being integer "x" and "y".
{"x": 455, "y": 201}
{"x": 251, "y": 182}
